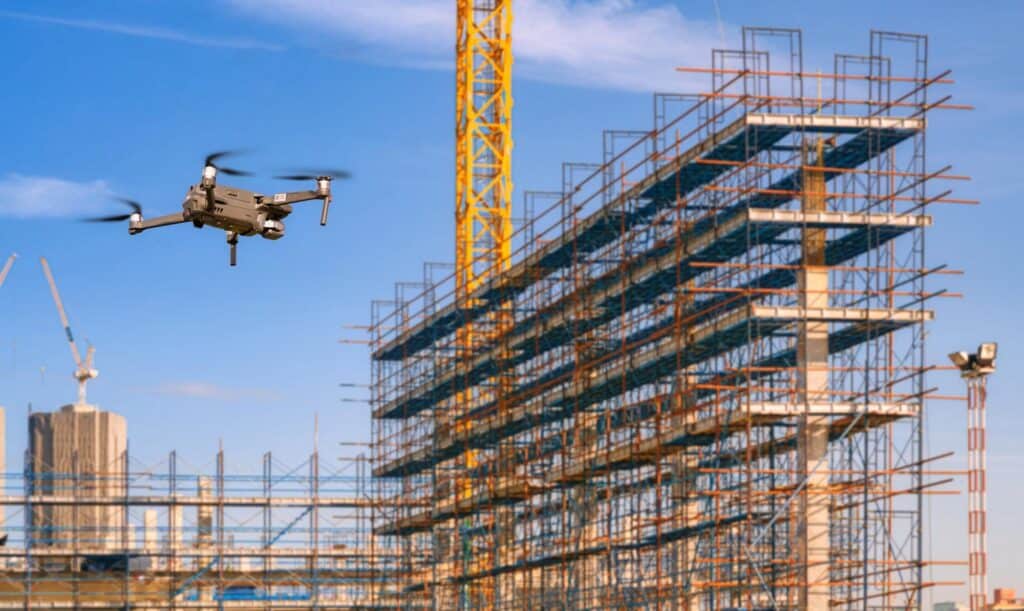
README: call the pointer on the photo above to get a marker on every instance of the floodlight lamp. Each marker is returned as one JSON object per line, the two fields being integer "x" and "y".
{"x": 961, "y": 359}
{"x": 987, "y": 354}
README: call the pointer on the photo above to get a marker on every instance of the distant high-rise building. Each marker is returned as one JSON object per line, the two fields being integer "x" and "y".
{"x": 77, "y": 451}
{"x": 1005, "y": 599}
{"x": 950, "y": 606}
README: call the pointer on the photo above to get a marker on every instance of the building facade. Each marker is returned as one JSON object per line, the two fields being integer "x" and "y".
{"x": 77, "y": 453}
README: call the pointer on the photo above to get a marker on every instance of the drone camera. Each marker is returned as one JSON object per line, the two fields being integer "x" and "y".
{"x": 273, "y": 229}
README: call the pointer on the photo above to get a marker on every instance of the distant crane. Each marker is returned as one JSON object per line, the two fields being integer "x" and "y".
{"x": 83, "y": 370}
{"x": 7, "y": 268}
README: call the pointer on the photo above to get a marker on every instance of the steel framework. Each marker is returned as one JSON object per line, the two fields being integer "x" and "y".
{"x": 483, "y": 137}
{"x": 184, "y": 537}
{"x": 702, "y": 380}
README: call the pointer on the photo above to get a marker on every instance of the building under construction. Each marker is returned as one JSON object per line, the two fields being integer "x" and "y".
{"x": 692, "y": 376}
{"x": 695, "y": 377}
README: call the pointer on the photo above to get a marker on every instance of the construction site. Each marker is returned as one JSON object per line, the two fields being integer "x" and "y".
{"x": 694, "y": 377}
{"x": 691, "y": 376}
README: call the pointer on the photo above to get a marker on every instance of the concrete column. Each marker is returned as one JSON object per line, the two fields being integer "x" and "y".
{"x": 812, "y": 445}
{"x": 204, "y": 514}
{"x": 588, "y": 572}
{"x": 685, "y": 506}
{"x": 689, "y": 510}
{"x": 175, "y": 527}
{"x": 204, "y": 531}
{"x": 149, "y": 530}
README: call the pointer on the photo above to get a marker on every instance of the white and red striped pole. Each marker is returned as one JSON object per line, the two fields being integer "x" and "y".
{"x": 977, "y": 519}
{"x": 975, "y": 369}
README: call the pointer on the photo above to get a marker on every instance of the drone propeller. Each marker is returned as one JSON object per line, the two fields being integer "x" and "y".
{"x": 323, "y": 180}
{"x": 213, "y": 157}
{"x": 315, "y": 174}
{"x": 117, "y": 218}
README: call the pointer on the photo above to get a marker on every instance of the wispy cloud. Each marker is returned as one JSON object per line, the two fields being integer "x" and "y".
{"x": 619, "y": 44}
{"x": 205, "y": 390}
{"x": 145, "y": 32}
{"x": 48, "y": 197}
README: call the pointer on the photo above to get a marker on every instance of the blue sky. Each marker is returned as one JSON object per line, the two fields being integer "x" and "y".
{"x": 126, "y": 96}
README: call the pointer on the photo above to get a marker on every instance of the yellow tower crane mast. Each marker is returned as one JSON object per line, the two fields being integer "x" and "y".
{"x": 483, "y": 162}
{"x": 483, "y": 197}
{"x": 483, "y": 141}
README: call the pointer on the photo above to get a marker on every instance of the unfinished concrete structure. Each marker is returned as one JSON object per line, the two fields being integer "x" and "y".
{"x": 700, "y": 380}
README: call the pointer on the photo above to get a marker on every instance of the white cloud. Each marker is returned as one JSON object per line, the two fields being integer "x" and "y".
{"x": 204, "y": 390}
{"x": 225, "y": 42}
{"x": 619, "y": 44}
{"x": 47, "y": 197}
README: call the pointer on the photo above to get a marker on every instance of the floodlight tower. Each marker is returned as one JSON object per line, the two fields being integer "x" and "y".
{"x": 975, "y": 369}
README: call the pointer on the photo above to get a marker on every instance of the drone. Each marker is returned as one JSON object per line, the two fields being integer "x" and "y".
{"x": 239, "y": 213}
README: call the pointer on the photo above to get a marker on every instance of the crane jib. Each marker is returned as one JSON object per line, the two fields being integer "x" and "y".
{"x": 67, "y": 330}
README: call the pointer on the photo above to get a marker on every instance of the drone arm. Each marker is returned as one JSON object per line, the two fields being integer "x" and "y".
{"x": 293, "y": 197}
{"x": 283, "y": 199}
{"x": 160, "y": 221}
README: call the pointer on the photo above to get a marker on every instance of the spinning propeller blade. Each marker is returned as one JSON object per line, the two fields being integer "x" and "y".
{"x": 116, "y": 218}
{"x": 315, "y": 174}
{"x": 212, "y": 158}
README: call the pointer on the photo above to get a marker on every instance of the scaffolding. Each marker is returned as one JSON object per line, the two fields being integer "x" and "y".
{"x": 707, "y": 389}
{"x": 173, "y": 535}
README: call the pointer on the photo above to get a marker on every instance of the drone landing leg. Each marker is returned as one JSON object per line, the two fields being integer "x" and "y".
{"x": 233, "y": 243}
{"x": 323, "y": 211}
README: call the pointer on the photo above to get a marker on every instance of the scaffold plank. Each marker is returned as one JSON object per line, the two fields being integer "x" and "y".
{"x": 740, "y": 141}
{"x": 713, "y": 337}
{"x": 705, "y": 243}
